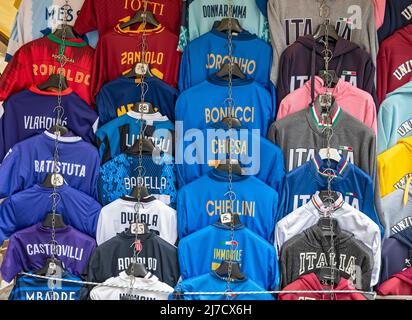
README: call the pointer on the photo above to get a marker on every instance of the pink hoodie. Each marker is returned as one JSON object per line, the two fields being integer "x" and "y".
{"x": 379, "y": 12}
{"x": 356, "y": 102}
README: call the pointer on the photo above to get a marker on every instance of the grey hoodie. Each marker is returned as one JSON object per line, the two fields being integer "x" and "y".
{"x": 289, "y": 19}
{"x": 300, "y": 136}
{"x": 308, "y": 252}
{"x": 398, "y": 216}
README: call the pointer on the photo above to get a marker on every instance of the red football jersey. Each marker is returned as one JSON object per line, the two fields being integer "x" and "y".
{"x": 118, "y": 51}
{"x": 34, "y": 62}
{"x": 103, "y": 15}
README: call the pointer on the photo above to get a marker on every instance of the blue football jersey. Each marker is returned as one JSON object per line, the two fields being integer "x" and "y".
{"x": 119, "y": 177}
{"x": 212, "y": 282}
{"x": 30, "y": 288}
{"x": 121, "y": 133}
{"x": 117, "y": 97}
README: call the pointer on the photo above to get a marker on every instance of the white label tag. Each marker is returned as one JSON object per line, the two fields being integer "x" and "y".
{"x": 57, "y": 180}
{"x": 137, "y": 228}
{"x": 141, "y": 68}
{"x": 226, "y": 218}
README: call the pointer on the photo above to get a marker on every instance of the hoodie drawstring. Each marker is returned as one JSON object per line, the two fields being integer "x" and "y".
{"x": 406, "y": 192}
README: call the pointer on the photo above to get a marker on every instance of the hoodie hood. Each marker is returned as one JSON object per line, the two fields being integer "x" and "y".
{"x": 339, "y": 90}
{"x": 407, "y": 143}
{"x": 405, "y": 276}
{"x": 315, "y": 237}
{"x": 405, "y": 89}
{"x": 311, "y": 282}
{"x": 405, "y": 237}
{"x": 406, "y": 34}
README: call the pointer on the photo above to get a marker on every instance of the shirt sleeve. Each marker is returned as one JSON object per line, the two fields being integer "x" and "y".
{"x": 12, "y": 262}
{"x": 13, "y": 173}
{"x": 385, "y": 128}
{"x": 87, "y": 20}
{"x": 7, "y": 219}
{"x": 184, "y": 71}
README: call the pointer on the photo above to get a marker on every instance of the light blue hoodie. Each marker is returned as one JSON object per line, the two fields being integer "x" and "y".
{"x": 395, "y": 117}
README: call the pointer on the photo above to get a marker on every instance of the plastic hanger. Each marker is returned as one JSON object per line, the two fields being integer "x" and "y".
{"x": 51, "y": 267}
{"x": 58, "y": 221}
{"x": 137, "y": 270}
{"x": 139, "y": 18}
{"x": 234, "y": 218}
{"x": 70, "y": 34}
{"x": 148, "y": 146}
{"x": 326, "y": 28}
{"x": 329, "y": 76}
{"x": 139, "y": 70}
{"x": 329, "y": 275}
{"x": 223, "y": 25}
{"x": 224, "y": 166}
{"x": 143, "y": 107}
{"x": 333, "y": 154}
{"x": 53, "y": 83}
{"x": 223, "y": 73}
{"x": 232, "y": 122}
{"x": 144, "y": 193}
{"x": 328, "y": 196}
{"x": 223, "y": 270}
{"x": 325, "y": 225}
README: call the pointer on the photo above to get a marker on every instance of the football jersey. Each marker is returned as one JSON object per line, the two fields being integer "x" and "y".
{"x": 198, "y": 209}
{"x": 354, "y": 184}
{"x": 117, "y": 217}
{"x": 257, "y": 155}
{"x": 31, "y": 111}
{"x": 121, "y": 133}
{"x": 254, "y": 106}
{"x": 30, "y": 206}
{"x": 257, "y": 257}
{"x": 119, "y": 177}
{"x": 212, "y": 282}
{"x": 38, "y": 18}
{"x": 30, "y": 248}
{"x": 350, "y": 219}
{"x": 199, "y": 15}
{"x": 206, "y": 55}
{"x": 118, "y": 51}
{"x": 30, "y": 288}
{"x": 105, "y": 14}
{"x": 117, "y": 97}
{"x": 34, "y": 62}
{"x": 140, "y": 288}
{"x": 115, "y": 255}
{"x": 29, "y": 162}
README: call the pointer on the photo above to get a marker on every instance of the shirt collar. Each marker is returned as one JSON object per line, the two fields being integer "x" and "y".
{"x": 68, "y": 42}
{"x": 321, "y": 207}
{"x": 336, "y": 112}
{"x": 321, "y": 168}
{"x": 62, "y": 138}
{"x": 147, "y": 117}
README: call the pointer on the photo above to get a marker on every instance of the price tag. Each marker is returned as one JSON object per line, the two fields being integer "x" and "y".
{"x": 137, "y": 228}
{"x": 226, "y": 218}
{"x": 57, "y": 180}
{"x": 144, "y": 107}
{"x": 141, "y": 68}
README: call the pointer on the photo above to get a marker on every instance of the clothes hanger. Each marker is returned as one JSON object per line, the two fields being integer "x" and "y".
{"x": 224, "y": 166}
{"x": 137, "y": 270}
{"x": 62, "y": 130}
{"x": 326, "y": 28}
{"x": 223, "y": 73}
{"x": 51, "y": 267}
{"x": 70, "y": 34}
{"x": 328, "y": 196}
{"x": 329, "y": 275}
{"x": 232, "y": 122}
{"x": 144, "y": 193}
{"x": 327, "y": 226}
{"x": 139, "y": 18}
{"x": 329, "y": 76}
{"x": 58, "y": 221}
{"x": 143, "y": 107}
{"x": 234, "y": 217}
{"x": 223, "y": 270}
{"x": 148, "y": 146}
{"x": 139, "y": 70}
{"x": 333, "y": 154}
{"x": 53, "y": 83}
{"x": 53, "y": 180}
{"x": 223, "y": 25}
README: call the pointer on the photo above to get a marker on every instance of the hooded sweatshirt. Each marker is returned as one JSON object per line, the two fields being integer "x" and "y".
{"x": 304, "y": 59}
{"x": 354, "y": 20}
{"x": 395, "y": 167}
{"x": 395, "y": 117}
{"x": 379, "y": 12}
{"x": 397, "y": 14}
{"x": 358, "y": 103}
{"x": 394, "y": 64}
{"x": 308, "y": 252}
{"x": 396, "y": 251}
{"x": 398, "y": 284}
{"x": 310, "y": 281}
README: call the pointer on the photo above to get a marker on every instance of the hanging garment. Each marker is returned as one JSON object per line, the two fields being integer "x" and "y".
{"x": 397, "y": 209}
{"x": 30, "y": 288}
{"x": 354, "y": 20}
{"x": 395, "y": 167}
{"x": 117, "y": 217}
{"x": 309, "y": 251}
{"x": 355, "y": 186}
{"x": 394, "y": 65}
{"x": 379, "y": 12}
{"x": 396, "y": 254}
{"x": 398, "y": 284}
{"x": 255, "y": 255}
{"x": 118, "y": 51}
{"x": 395, "y": 118}
{"x": 117, "y": 97}
{"x": 29, "y": 161}
{"x": 31, "y": 206}
{"x": 34, "y": 62}
{"x": 30, "y": 248}
{"x": 310, "y": 282}
{"x": 105, "y": 14}
{"x": 122, "y": 133}
{"x": 212, "y": 282}
{"x": 203, "y": 105}
{"x": 354, "y": 221}
{"x": 202, "y": 202}
{"x": 140, "y": 288}
{"x": 356, "y": 102}
{"x": 207, "y": 54}
{"x": 32, "y": 111}
{"x": 397, "y": 15}
{"x": 120, "y": 176}
{"x": 199, "y": 16}
{"x": 303, "y": 60}
{"x": 257, "y": 155}
{"x": 38, "y": 18}
{"x": 115, "y": 255}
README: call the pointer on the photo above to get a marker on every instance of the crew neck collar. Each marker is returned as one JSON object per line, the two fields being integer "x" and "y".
{"x": 320, "y": 169}
{"x": 36, "y": 90}
{"x": 320, "y": 206}
{"x": 41, "y": 228}
{"x": 242, "y": 36}
{"x": 214, "y": 79}
{"x": 147, "y": 116}
{"x": 139, "y": 31}
{"x": 149, "y": 277}
{"x": 68, "y": 42}
{"x": 226, "y": 227}
{"x": 215, "y": 275}
{"x": 146, "y": 202}
{"x": 52, "y": 136}
{"x": 317, "y": 119}
{"x": 41, "y": 188}
{"x": 224, "y": 176}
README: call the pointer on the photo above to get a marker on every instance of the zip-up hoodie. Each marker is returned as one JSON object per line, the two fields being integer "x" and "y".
{"x": 304, "y": 59}
{"x": 308, "y": 252}
{"x": 310, "y": 282}
{"x": 394, "y": 63}
{"x": 395, "y": 116}
{"x": 399, "y": 284}
{"x": 358, "y": 103}
{"x": 396, "y": 250}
